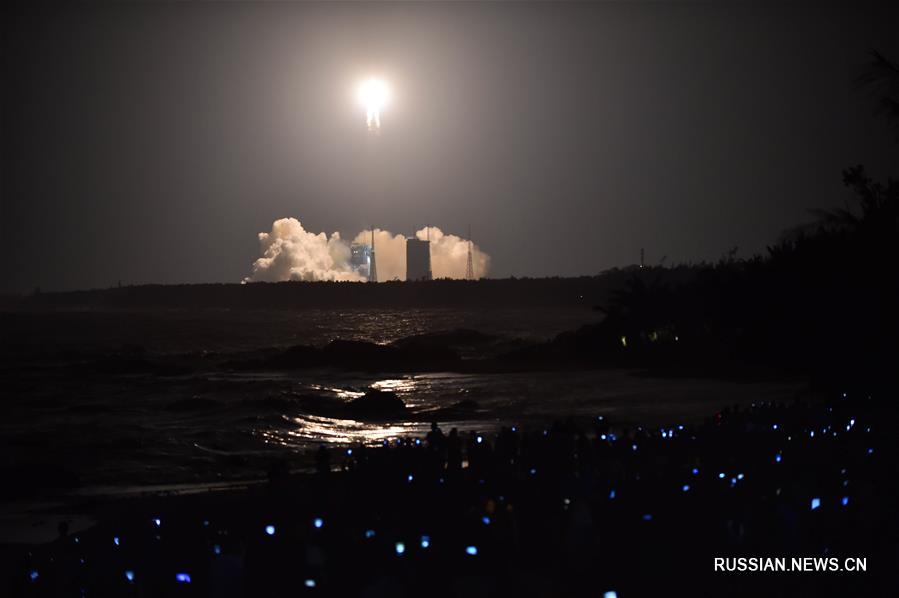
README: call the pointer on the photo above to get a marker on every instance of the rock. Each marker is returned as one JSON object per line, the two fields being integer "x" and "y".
{"x": 375, "y": 403}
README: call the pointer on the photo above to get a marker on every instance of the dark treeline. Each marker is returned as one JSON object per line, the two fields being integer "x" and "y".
{"x": 823, "y": 299}
{"x": 508, "y": 292}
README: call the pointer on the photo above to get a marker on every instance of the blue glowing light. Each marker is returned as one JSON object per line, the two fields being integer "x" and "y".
{"x": 400, "y": 548}
{"x": 811, "y": 434}
{"x": 270, "y": 530}
{"x": 309, "y": 583}
{"x": 695, "y": 471}
{"x": 514, "y": 429}
{"x": 740, "y": 476}
{"x": 647, "y": 517}
{"x": 409, "y": 478}
{"x": 685, "y": 487}
{"x": 425, "y": 541}
{"x": 870, "y": 451}
{"x": 369, "y": 534}
{"x": 471, "y": 550}
{"x": 33, "y": 575}
{"x": 115, "y": 540}
{"x": 182, "y": 577}
{"x": 349, "y": 451}
{"x": 721, "y": 476}
{"x": 318, "y": 522}
{"x": 816, "y": 502}
{"x": 205, "y": 523}
{"x": 418, "y": 442}
{"x": 157, "y": 521}
{"x": 602, "y": 437}
{"x": 773, "y": 426}
{"x": 129, "y": 575}
{"x": 777, "y": 458}
{"x": 634, "y": 447}
{"x": 610, "y": 594}
{"x": 480, "y": 439}
{"x": 216, "y": 549}
{"x": 844, "y": 501}
{"x": 533, "y": 471}
{"x": 612, "y": 494}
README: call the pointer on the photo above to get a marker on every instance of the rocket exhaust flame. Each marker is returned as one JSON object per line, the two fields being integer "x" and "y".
{"x": 373, "y": 95}
{"x": 373, "y": 120}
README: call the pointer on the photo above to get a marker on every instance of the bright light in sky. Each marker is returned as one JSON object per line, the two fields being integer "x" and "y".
{"x": 373, "y": 95}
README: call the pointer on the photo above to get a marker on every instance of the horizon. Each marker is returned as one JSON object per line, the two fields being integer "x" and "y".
{"x": 633, "y": 267}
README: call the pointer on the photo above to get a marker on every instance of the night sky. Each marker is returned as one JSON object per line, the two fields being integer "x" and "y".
{"x": 150, "y": 143}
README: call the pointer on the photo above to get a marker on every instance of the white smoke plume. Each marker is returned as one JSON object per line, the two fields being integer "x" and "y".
{"x": 289, "y": 252}
{"x": 449, "y": 254}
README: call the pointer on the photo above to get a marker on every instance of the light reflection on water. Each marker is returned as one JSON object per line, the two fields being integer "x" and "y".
{"x": 340, "y": 393}
{"x": 331, "y": 430}
{"x": 312, "y": 430}
{"x": 409, "y": 388}
{"x": 396, "y": 385}
{"x": 485, "y": 402}
{"x": 420, "y": 394}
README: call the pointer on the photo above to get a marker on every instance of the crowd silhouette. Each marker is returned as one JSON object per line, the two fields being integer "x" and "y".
{"x": 577, "y": 508}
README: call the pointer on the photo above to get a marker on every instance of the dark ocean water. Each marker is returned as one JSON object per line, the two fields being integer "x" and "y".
{"x": 190, "y": 331}
{"x": 207, "y": 424}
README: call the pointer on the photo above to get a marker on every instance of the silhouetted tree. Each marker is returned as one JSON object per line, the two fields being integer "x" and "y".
{"x": 874, "y": 213}
{"x": 881, "y": 76}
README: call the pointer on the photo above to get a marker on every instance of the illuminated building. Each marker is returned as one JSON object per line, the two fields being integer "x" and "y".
{"x": 418, "y": 259}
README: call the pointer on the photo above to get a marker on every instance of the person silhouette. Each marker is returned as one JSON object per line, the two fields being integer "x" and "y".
{"x": 453, "y": 451}
{"x": 322, "y": 460}
{"x": 435, "y": 438}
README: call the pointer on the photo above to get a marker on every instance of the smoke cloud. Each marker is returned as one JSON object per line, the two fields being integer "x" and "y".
{"x": 290, "y": 252}
{"x": 449, "y": 255}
